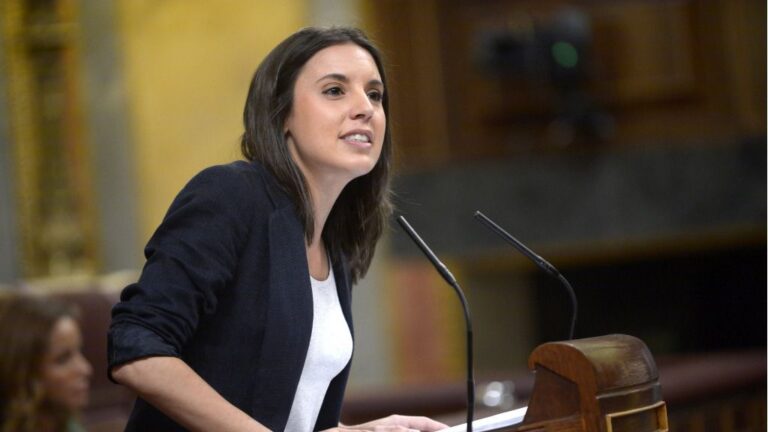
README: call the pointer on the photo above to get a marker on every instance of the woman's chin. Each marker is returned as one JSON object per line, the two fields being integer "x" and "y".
{"x": 363, "y": 168}
{"x": 75, "y": 402}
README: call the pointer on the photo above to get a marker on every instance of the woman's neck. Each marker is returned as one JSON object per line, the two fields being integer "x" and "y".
{"x": 323, "y": 197}
{"x": 51, "y": 422}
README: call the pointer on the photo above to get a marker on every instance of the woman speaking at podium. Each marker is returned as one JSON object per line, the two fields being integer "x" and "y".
{"x": 241, "y": 319}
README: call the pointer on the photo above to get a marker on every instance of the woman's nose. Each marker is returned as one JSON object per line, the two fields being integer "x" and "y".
{"x": 362, "y": 107}
{"x": 84, "y": 366}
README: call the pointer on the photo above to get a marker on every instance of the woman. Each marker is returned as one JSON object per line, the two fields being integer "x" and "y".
{"x": 44, "y": 378}
{"x": 241, "y": 319}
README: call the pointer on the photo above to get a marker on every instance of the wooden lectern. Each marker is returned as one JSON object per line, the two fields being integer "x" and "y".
{"x": 602, "y": 384}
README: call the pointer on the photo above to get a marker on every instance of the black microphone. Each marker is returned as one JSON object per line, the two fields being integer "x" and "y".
{"x": 540, "y": 262}
{"x": 446, "y": 274}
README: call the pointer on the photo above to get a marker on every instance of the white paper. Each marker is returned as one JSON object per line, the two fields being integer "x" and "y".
{"x": 497, "y": 421}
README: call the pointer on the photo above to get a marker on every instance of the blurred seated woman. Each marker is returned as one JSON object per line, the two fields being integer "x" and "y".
{"x": 44, "y": 378}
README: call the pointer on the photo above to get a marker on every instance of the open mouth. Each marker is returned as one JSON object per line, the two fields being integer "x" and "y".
{"x": 358, "y": 138}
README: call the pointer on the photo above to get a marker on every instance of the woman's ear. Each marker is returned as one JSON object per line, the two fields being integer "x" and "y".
{"x": 287, "y": 124}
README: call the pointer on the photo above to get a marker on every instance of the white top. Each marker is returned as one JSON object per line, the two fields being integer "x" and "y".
{"x": 330, "y": 348}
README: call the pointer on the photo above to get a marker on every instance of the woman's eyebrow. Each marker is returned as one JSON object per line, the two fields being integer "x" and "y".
{"x": 334, "y": 76}
{"x": 343, "y": 78}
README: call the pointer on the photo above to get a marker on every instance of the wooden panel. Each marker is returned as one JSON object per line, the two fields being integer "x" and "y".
{"x": 409, "y": 33}
{"x": 677, "y": 71}
{"x": 644, "y": 52}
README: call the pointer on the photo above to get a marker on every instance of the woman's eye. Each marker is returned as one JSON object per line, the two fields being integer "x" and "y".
{"x": 375, "y": 95}
{"x": 63, "y": 357}
{"x": 333, "y": 91}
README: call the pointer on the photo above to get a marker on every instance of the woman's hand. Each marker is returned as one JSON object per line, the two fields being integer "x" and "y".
{"x": 394, "y": 423}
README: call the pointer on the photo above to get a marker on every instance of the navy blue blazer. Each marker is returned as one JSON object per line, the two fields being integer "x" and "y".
{"x": 226, "y": 288}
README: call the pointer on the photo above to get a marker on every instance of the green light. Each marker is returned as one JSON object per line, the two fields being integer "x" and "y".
{"x": 565, "y": 54}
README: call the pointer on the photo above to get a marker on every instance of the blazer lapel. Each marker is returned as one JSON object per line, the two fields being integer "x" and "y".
{"x": 288, "y": 325}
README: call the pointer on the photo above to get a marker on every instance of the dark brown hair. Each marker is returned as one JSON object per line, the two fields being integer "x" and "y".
{"x": 361, "y": 211}
{"x": 26, "y": 324}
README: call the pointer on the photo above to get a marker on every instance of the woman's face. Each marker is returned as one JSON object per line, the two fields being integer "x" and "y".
{"x": 336, "y": 126}
{"x": 66, "y": 374}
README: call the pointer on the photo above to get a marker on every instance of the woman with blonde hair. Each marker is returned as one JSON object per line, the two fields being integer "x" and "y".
{"x": 44, "y": 378}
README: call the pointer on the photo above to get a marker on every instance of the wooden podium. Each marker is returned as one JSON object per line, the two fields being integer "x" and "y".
{"x": 602, "y": 384}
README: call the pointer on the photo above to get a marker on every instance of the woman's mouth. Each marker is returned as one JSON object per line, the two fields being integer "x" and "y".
{"x": 358, "y": 139}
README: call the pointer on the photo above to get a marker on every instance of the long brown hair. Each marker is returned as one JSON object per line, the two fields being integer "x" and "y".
{"x": 361, "y": 211}
{"x": 26, "y": 324}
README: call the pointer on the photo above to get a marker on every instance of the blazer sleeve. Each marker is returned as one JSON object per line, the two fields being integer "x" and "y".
{"x": 191, "y": 257}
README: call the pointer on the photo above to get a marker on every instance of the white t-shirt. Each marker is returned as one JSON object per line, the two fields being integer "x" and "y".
{"x": 330, "y": 348}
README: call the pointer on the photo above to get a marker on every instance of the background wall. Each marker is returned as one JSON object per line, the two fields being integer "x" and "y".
{"x": 10, "y": 263}
{"x": 187, "y": 70}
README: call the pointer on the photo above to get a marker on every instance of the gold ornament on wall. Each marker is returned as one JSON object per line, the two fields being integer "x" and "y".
{"x": 50, "y": 157}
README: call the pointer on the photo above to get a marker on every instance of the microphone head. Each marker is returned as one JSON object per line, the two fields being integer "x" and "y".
{"x": 441, "y": 268}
